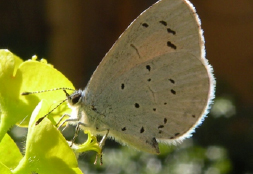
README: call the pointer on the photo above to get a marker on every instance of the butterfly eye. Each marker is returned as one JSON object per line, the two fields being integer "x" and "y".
{"x": 76, "y": 98}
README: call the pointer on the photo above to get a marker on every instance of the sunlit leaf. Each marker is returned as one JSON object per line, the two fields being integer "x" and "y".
{"x": 4, "y": 169}
{"x": 10, "y": 154}
{"x": 46, "y": 149}
{"x": 16, "y": 77}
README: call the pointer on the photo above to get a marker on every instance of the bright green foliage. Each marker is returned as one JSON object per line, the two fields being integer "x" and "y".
{"x": 46, "y": 149}
{"x": 4, "y": 169}
{"x": 16, "y": 77}
{"x": 10, "y": 154}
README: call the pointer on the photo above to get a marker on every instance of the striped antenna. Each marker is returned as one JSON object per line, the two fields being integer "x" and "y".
{"x": 41, "y": 118}
{"x": 48, "y": 90}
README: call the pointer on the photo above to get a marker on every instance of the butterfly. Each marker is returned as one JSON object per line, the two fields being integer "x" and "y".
{"x": 154, "y": 85}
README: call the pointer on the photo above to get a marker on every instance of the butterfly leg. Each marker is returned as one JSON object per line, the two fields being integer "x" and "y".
{"x": 77, "y": 131}
{"x": 63, "y": 116}
{"x": 67, "y": 120}
{"x": 101, "y": 145}
{"x": 102, "y": 141}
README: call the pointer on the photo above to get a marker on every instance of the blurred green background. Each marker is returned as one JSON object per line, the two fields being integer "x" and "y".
{"x": 75, "y": 35}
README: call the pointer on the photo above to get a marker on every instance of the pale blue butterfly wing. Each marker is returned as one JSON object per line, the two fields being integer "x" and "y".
{"x": 154, "y": 84}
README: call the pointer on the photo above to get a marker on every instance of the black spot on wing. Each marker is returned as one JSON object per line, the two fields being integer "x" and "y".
{"x": 145, "y": 25}
{"x": 173, "y": 91}
{"x": 172, "y": 81}
{"x": 165, "y": 120}
{"x": 163, "y": 23}
{"x": 160, "y": 126}
{"x": 142, "y": 130}
{"x": 122, "y": 86}
{"x": 171, "y": 45}
{"x": 148, "y": 67}
{"x": 171, "y": 31}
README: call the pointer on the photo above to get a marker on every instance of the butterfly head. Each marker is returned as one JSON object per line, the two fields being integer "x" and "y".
{"x": 76, "y": 98}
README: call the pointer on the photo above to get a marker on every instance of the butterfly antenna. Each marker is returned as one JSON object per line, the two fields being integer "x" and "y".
{"x": 67, "y": 94}
{"x": 48, "y": 90}
{"x": 41, "y": 118}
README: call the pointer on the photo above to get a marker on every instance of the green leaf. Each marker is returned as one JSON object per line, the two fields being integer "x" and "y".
{"x": 46, "y": 149}
{"x": 10, "y": 154}
{"x": 16, "y": 77}
{"x": 4, "y": 169}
